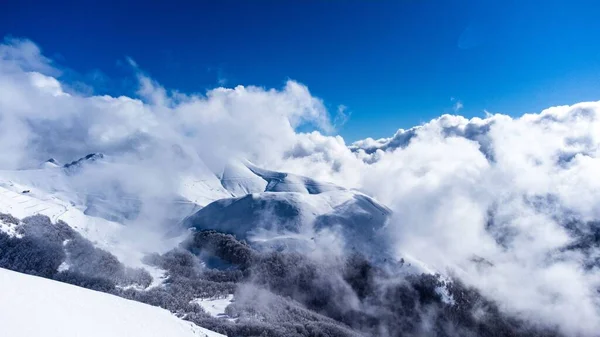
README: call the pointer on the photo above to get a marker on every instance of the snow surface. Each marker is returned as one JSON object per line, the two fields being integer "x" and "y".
{"x": 215, "y": 306}
{"x": 8, "y": 228}
{"x": 287, "y": 182}
{"x": 239, "y": 180}
{"x": 34, "y": 306}
{"x": 242, "y": 177}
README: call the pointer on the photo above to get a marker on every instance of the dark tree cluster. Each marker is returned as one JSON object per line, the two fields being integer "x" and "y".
{"x": 41, "y": 247}
{"x": 355, "y": 296}
{"x": 30, "y": 255}
{"x": 210, "y": 244}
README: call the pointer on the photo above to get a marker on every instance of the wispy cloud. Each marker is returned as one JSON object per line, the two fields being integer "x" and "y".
{"x": 342, "y": 116}
{"x": 221, "y": 79}
{"x": 458, "y": 105}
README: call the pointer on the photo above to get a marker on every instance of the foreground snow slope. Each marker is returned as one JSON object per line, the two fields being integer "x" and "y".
{"x": 33, "y": 306}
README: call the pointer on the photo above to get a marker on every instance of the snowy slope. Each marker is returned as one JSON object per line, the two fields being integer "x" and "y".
{"x": 287, "y": 182}
{"x": 198, "y": 186}
{"x": 239, "y": 180}
{"x": 104, "y": 234}
{"x": 101, "y": 214}
{"x": 33, "y": 306}
{"x": 22, "y": 205}
{"x": 242, "y": 177}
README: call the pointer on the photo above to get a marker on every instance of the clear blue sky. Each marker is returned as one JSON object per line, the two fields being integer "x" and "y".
{"x": 392, "y": 63}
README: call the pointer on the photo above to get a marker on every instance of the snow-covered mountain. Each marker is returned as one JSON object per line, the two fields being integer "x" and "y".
{"x": 299, "y": 221}
{"x": 272, "y": 209}
{"x": 296, "y": 257}
{"x": 276, "y": 210}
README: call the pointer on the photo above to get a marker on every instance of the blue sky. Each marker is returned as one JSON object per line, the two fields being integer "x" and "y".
{"x": 394, "y": 64}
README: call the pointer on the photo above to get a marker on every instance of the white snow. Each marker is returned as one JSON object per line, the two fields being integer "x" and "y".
{"x": 287, "y": 182}
{"x": 158, "y": 276}
{"x": 8, "y": 228}
{"x": 215, "y": 306}
{"x": 239, "y": 180}
{"x": 63, "y": 266}
{"x": 48, "y": 165}
{"x": 202, "y": 190}
{"x": 33, "y": 306}
{"x": 105, "y": 234}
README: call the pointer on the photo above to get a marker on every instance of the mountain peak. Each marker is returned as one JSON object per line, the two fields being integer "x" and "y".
{"x": 92, "y": 157}
{"x": 50, "y": 163}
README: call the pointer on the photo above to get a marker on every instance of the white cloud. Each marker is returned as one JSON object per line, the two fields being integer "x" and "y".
{"x": 342, "y": 116}
{"x": 18, "y": 54}
{"x": 220, "y": 123}
{"x": 457, "y": 106}
{"x": 534, "y": 173}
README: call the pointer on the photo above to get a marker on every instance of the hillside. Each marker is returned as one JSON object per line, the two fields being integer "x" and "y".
{"x": 34, "y": 306}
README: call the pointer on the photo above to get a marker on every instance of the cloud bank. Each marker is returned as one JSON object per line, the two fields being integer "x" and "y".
{"x": 508, "y": 205}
